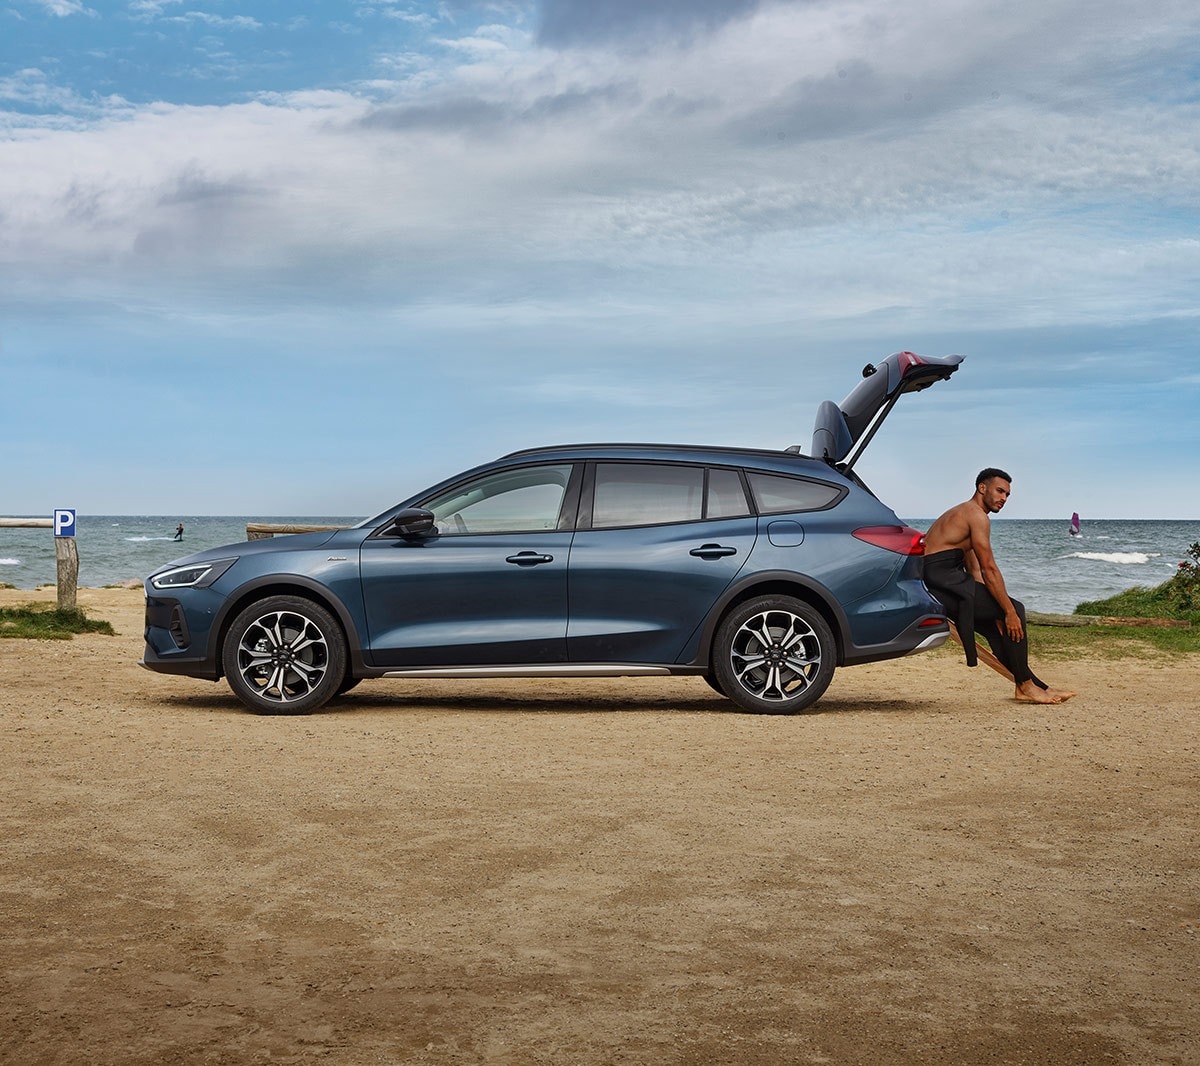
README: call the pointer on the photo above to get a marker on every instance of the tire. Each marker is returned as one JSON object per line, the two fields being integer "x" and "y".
{"x": 284, "y": 655}
{"x": 774, "y": 655}
{"x": 710, "y": 677}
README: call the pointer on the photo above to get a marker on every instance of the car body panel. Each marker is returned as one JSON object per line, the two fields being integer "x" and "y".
{"x": 453, "y": 601}
{"x": 636, "y": 593}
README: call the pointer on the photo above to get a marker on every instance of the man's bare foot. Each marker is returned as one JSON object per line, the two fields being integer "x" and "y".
{"x": 1030, "y": 693}
{"x": 1062, "y": 694}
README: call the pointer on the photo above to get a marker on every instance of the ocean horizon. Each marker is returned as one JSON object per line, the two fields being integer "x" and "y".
{"x": 1043, "y": 566}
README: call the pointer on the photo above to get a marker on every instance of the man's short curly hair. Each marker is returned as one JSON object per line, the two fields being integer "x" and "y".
{"x": 990, "y": 472}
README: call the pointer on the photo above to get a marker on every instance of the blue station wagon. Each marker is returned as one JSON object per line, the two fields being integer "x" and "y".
{"x": 762, "y": 571}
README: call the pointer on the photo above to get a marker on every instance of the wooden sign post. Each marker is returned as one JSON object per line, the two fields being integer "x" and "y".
{"x": 65, "y": 551}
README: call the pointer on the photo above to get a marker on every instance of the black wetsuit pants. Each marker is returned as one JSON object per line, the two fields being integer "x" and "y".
{"x": 989, "y": 623}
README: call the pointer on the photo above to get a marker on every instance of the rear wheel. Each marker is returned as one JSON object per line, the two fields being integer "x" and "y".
{"x": 774, "y": 655}
{"x": 284, "y": 655}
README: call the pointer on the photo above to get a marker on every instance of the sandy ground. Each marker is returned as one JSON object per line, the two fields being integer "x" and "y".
{"x": 618, "y": 872}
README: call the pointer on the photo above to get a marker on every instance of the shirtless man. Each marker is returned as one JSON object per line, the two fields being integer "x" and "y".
{"x": 961, "y": 572}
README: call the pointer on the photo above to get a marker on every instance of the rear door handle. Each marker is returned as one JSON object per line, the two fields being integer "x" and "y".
{"x": 712, "y": 551}
{"x": 529, "y": 559}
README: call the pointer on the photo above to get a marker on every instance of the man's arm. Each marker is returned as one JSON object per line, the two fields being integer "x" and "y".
{"x": 984, "y": 561}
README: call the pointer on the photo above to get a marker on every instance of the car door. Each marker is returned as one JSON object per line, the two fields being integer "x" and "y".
{"x": 489, "y": 587}
{"x": 656, "y": 546}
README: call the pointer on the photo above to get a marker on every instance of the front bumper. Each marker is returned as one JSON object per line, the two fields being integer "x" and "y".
{"x": 177, "y": 639}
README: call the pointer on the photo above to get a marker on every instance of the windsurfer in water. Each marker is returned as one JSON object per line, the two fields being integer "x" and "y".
{"x": 961, "y": 571}
{"x": 178, "y": 532}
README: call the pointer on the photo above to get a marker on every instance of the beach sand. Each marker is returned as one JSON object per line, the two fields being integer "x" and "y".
{"x": 594, "y": 872}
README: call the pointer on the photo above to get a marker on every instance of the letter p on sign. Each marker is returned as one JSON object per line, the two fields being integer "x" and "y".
{"x": 64, "y": 522}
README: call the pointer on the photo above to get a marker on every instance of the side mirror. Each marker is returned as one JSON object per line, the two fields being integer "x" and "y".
{"x": 412, "y": 522}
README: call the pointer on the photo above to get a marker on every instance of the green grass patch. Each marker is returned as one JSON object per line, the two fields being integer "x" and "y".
{"x": 44, "y": 622}
{"x": 1163, "y": 601}
{"x": 1112, "y": 642}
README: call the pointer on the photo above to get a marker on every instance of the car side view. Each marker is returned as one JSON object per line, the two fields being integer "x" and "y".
{"x": 762, "y": 571}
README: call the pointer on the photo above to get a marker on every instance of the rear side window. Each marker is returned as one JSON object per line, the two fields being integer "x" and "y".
{"x": 726, "y": 497}
{"x": 779, "y": 494}
{"x": 646, "y": 494}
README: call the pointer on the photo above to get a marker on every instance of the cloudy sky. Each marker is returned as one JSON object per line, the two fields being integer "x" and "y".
{"x": 307, "y": 256}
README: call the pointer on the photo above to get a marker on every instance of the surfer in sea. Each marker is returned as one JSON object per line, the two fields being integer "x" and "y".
{"x": 961, "y": 571}
{"x": 178, "y": 532}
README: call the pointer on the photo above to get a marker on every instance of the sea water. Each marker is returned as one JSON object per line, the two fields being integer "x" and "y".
{"x": 117, "y": 548}
{"x": 1043, "y": 566}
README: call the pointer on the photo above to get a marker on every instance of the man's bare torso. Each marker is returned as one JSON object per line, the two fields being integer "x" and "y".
{"x": 952, "y": 530}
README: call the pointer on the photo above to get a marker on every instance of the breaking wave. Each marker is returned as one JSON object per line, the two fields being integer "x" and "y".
{"x": 10, "y": 562}
{"x": 1128, "y": 558}
{"x": 139, "y": 539}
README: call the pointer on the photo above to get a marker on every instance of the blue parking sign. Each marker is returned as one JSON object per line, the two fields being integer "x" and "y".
{"x": 64, "y": 522}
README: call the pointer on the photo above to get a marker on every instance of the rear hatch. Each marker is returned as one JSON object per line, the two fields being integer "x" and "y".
{"x": 842, "y": 431}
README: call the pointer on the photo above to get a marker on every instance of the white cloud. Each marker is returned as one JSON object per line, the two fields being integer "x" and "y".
{"x": 64, "y": 8}
{"x": 151, "y": 8}
{"x": 825, "y": 164}
{"x": 239, "y": 22}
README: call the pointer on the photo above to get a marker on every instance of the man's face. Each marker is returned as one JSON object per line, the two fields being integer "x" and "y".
{"x": 995, "y": 493}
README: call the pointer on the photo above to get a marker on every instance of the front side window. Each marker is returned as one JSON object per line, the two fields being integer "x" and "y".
{"x": 647, "y": 494}
{"x": 780, "y": 494}
{"x": 508, "y": 501}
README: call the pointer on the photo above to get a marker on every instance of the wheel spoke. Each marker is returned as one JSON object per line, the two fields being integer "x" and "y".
{"x": 773, "y": 689}
{"x": 275, "y": 684}
{"x": 274, "y": 632}
{"x": 306, "y": 671}
{"x": 744, "y": 663}
{"x": 299, "y": 645}
{"x": 761, "y": 634}
{"x": 796, "y": 636}
{"x": 257, "y": 658}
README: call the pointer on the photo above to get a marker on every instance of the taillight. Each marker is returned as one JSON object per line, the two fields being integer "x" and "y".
{"x": 903, "y": 540}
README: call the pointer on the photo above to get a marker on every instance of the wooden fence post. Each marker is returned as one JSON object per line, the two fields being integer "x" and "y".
{"x": 65, "y": 552}
{"x": 67, "y": 555}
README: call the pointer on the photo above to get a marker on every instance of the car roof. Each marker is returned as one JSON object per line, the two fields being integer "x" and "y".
{"x": 695, "y": 453}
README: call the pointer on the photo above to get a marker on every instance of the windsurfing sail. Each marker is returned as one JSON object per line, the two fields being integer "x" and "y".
{"x": 1074, "y": 530}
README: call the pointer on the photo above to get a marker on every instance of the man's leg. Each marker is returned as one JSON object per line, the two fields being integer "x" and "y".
{"x": 1014, "y": 654}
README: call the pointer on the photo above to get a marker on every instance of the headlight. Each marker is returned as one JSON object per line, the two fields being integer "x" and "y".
{"x": 192, "y": 576}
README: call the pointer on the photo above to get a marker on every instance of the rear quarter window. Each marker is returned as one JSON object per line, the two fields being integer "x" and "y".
{"x": 780, "y": 494}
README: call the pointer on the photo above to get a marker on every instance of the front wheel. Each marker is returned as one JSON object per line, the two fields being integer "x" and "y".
{"x": 284, "y": 655}
{"x": 774, "y": 655}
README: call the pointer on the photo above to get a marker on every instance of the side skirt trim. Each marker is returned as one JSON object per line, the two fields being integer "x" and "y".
{"x": 547, "y": 670}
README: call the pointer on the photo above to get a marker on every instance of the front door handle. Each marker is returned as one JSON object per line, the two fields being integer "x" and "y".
{"x": 712, "y": 551}
{"x": 529, "y": 559}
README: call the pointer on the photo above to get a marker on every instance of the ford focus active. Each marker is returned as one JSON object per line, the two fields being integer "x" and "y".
{"x": 761, "y": 571}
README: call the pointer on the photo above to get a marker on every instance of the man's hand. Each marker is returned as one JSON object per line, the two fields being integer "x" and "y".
{"x": 1012, "y": 624}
